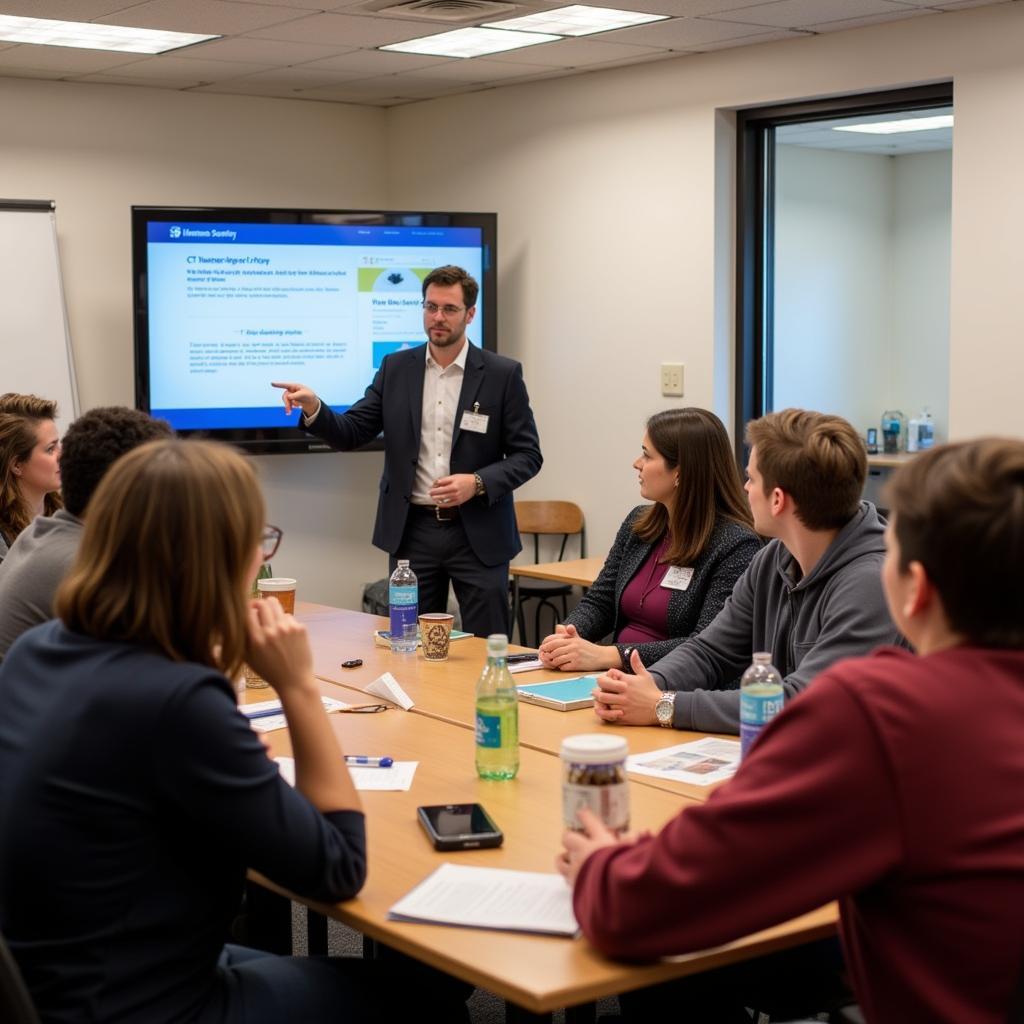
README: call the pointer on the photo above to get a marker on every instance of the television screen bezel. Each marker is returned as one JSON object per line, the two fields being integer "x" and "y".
{"x": 291, "y": 440}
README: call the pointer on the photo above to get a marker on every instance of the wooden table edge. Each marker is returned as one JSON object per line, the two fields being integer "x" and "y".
{"x": 769, "y": 940}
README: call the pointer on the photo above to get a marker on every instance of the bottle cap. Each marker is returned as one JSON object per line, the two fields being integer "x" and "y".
{"x": 762, "y": 657}
{"x": 497, "y": 646}
{"x": 403, "y": 563}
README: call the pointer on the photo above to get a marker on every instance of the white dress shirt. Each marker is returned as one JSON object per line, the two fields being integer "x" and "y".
{"x": 441, "y": 390}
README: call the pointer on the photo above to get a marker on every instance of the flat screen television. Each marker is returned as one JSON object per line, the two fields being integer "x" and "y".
{"x": 227, "y": 300}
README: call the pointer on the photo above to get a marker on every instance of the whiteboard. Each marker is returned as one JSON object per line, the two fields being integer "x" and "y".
{"x": 34, "y": 336}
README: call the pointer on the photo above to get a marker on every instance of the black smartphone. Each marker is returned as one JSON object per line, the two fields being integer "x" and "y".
{"x": 459, "y": 826}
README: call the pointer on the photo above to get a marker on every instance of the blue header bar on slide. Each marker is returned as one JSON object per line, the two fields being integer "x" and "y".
{"x": 311, "y": 234}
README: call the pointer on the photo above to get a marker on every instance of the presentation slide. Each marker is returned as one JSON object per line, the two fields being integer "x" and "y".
{"x": 234, "y": 306}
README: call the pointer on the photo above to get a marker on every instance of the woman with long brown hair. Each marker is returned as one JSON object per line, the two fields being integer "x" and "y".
{"x": 674, "y": 562}
{"x": 29, "y": 463}
{"x": 133, "y": 793}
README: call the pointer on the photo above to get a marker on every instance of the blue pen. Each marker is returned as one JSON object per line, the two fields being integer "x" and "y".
{"x": 361, "y": 761}
{"x": 265, "y": 713}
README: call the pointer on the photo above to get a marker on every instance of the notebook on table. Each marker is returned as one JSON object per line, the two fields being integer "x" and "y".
{"x": 561, "y": 694}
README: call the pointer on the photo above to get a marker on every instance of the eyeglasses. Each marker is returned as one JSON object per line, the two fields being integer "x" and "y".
{"x": 433, "y": 309}
{"x": 270, "y": 539}
{"x": 362, "y": 709}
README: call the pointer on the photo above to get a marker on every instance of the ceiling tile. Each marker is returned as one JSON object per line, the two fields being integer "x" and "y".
{"x": 577, "y": 53}
{"x": 272, "y": 52}
{"x": 131, "y": 83}
{"x": 187, "y": 72}
{"x": 377, "y": 62}
{"x": 684, "y": 8}
{"x": 13, "y": 72}
{"x": 348, "y": 30}
{"x": 64, "y": 60}
{"x": 477, "y": 69}
{"x": 294, "y": 78}
{"x": 955, "y": 5}
{"x": 63, "y": 10}
{"x": 800, "y": 13}
{"x": 409, "y": 86}
{"x": 771, "y": 36}
{"x": 870, "y": 19}
{"x": 683, "y": 33}
{"x": 214, "y": 17}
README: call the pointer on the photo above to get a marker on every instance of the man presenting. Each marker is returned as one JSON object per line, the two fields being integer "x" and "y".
{"x": 810, "y": 597}
{"x": 459, "y": 438}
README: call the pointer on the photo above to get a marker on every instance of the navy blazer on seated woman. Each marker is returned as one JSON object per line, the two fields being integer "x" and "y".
{"x": 673, "y": 563}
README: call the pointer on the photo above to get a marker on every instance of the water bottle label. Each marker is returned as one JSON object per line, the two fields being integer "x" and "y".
{"x": 488, "y": 730}
{"x": 403, "y": 595}
{"x": 758, "y": 709}
{"x": 748, "y": 733}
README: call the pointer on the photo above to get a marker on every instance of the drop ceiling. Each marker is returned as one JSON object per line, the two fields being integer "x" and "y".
{"x": 327, "y": 49}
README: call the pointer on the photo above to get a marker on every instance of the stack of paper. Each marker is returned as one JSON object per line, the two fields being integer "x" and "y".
{"x": 518, "y": 901}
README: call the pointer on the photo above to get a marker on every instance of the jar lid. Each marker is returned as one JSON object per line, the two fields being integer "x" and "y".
{"x": 594, "y": 748}
{"x": 275, "y": 584}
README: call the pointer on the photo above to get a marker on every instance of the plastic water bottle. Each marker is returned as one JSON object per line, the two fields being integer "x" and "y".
{"x": 497, "y": 715}
{"x": 761, "y": 699}
{"x": 403, "y": 600}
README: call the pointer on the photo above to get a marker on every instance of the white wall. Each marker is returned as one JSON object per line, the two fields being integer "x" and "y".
{"x": 614, "y": 220}
{"x": 919, "y": 360}
{"x": 833, "y": 229}
{"x": 98, "y": 149}
{"x": 862, "y": 283}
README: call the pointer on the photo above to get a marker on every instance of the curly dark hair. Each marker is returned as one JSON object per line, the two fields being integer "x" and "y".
{"x": 95, "y": 441}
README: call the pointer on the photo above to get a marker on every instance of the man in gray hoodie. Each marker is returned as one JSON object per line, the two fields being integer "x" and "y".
{"x": 811, "y": 596}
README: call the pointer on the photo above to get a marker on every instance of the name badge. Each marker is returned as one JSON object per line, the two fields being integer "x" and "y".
{"x": 474, "y": 421}
{"x": 678, "y": 577}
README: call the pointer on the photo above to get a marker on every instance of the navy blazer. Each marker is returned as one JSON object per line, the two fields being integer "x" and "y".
{"x": 505, "y": 456}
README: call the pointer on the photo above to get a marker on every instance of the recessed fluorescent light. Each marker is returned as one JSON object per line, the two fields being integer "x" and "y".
{"x": 578, "y": 20}
{"x": 470, "y": 42}
{"x": 914, "y": 124}
{"x": 88, "y": 35}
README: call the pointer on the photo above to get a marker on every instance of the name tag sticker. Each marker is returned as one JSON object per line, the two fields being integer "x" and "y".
{"x": 678, "y": 577}
{"x": 474, "y": 421}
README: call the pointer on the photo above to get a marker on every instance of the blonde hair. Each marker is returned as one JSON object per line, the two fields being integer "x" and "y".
{"x": 20, "y": 416}
{"x": 818, "y": 460}
{"x": 165, "y": 552}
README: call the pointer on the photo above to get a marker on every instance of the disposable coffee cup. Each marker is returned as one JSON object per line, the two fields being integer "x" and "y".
{"x": 281, "y": 587}
{"x": 435, "y": 635}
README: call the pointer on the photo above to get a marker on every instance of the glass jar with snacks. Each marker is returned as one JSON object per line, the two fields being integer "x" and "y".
{"x": 594, "y": 776}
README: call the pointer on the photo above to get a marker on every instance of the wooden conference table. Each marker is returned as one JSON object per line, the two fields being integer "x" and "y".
{"x": 535, "y": 973}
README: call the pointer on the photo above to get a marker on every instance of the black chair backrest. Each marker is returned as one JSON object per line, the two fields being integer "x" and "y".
{"x": 15, "y": 1002}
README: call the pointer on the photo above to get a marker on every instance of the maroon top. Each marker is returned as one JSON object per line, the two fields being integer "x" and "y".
{"x": 644, "y": 602}
{"x": 894, "y": 784}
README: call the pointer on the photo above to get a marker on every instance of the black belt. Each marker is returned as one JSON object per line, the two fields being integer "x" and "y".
{"x": 437, "y": 512}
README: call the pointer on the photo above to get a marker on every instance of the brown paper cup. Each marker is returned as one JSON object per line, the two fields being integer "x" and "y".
{"x": 435, "y": 635}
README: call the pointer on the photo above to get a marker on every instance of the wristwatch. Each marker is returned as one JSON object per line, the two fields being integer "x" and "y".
{"x": 665, "y": 708}
{"x": 480, "y": 489}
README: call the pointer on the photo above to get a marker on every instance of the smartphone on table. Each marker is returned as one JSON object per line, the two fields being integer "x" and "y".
{"x": 459, "y": 826}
